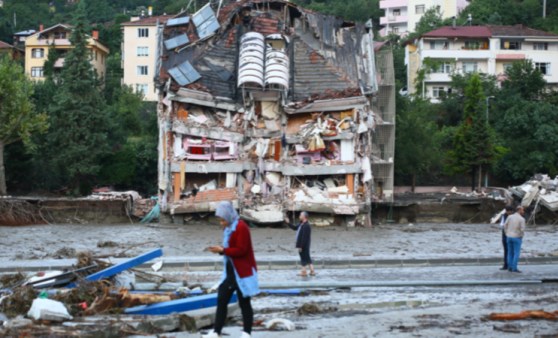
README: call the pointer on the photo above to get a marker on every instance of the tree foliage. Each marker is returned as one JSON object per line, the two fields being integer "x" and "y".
{"x": 19, "y": 120}
{"x": 80, "y": 123}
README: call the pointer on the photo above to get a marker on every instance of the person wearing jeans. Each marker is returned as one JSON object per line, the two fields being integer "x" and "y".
{"x": 515, "y": 229}
{"x": 509, "y": 211}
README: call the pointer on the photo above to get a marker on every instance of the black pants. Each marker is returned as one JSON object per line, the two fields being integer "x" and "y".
{"x": 505, "y": 244}
{"x": 305, "y": 256}
{"x": 226, "y": 290}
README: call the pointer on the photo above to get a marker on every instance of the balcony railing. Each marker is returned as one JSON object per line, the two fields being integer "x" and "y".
{"x": 393, "y": 3}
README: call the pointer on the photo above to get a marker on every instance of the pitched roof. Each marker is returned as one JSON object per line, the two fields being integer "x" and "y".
{"x": 149, "y": 21}
{"x": 459, "y": 32}
{"x": 4, "y": 45}
{"x": 518, "y": 30}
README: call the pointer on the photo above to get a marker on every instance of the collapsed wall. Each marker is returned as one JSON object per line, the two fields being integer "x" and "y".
{"x": 275, "y": 109}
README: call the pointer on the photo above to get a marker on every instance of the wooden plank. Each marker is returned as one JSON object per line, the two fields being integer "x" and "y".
{"x": 176, "y": 182}
{"x": 128, "y": 264}
{"x": 178, "y": 305}
{"x": 351, "y": 183}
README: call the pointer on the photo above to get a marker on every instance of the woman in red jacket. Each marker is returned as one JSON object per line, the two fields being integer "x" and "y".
{"x": 240, "y": 272}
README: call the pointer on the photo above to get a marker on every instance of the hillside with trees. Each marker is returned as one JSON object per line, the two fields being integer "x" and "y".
{"x": 519, "y": 139}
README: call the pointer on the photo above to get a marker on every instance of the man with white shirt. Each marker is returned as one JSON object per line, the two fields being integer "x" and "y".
{"x": 505, "y": 215}
{"x": 515, "y": 229}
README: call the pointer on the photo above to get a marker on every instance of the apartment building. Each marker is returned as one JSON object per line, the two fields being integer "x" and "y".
{"x": 140, "y": 53}
{"x": 38, "y": 46}
{"x": 402, "y": 16}
{"x": 276, "y": 109}
{"x": 483, "y": 49}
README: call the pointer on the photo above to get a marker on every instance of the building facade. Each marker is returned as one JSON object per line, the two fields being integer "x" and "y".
{"x": 140, "y": 52}
{"x": 38, "y": 45}
{"x": 276, "y": 109}
{"x": 402, "y": 16}
{"x": 484, "y": 49}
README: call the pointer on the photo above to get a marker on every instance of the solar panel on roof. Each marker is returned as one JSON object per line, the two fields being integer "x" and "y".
{"x": 178, "y": 21}
{"x": 205, "y": 21}
{"x": 184, "y": 73}
{"x": 177, "y": 41}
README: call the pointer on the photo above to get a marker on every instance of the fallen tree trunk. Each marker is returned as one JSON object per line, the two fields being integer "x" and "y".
{"x": 530, "y": 314}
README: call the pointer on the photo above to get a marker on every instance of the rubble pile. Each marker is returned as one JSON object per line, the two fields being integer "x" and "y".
{"x": 539, "y": 190}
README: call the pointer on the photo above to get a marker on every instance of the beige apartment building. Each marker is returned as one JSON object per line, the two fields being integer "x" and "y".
{"x": 140, "y": 52}
{"x": 38, "y": 45}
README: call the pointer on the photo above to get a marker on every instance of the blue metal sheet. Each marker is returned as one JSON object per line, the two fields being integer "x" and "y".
{"x": 184, "y": 74}
{"x": 205, "y": 21}
{"x": 282, "y": 291}
{"x": 178, "y": 21}
{"x": 177, "y": 41}
{"x": 128, "y": 264}
{"x": 178, "y": 305}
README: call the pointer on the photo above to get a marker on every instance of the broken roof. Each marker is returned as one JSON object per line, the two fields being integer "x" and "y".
{"x": 327, "y": 55}
{"x": 4, "y": 45}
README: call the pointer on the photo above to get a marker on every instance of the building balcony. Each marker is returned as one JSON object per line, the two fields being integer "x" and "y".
{"x": 393, "y": 19}
{"x": 456, "y": 54}
{"x": 438, "y": 77}
{"x": 393, "y": 3}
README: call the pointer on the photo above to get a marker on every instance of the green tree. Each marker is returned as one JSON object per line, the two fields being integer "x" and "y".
{"x": 18, "y": 119}
{"x": 416, "y": 152}
{"x": 473, "y": 144}
{"x": 523, "y": 79}
{"x": 79, "y": 118}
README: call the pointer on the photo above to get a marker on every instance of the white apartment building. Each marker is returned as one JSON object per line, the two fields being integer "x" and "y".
{"x": 402, "y": 16}
{"x": 483, "y": 49}
{"x": 140, "y": 52}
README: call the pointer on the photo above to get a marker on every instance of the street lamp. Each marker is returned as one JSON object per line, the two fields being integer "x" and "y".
{"x": 486, "y": 171}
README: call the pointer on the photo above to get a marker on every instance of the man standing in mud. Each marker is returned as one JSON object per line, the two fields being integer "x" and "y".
{"x": 515, "y": 229}
{"x": 509, "y": 211}
{"x": 303, "y": 235}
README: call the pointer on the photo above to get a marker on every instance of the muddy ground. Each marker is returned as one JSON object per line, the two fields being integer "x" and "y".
{"x": 412, "y": 311}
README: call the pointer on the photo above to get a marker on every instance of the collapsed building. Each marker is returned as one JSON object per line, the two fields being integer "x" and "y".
{"x": 275, "y": 108}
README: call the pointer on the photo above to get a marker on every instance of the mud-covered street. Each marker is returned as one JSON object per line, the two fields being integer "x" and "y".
{"x": 423, "y": 280}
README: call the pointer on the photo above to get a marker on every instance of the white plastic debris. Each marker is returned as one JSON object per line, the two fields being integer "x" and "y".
{"x": 157, "y": 266}
{"x": 279, "y": 324}
{"x": 48, "y": 309}
{"x": 125, "y": 279}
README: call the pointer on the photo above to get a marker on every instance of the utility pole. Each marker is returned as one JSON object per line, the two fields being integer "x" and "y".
{"x": 544, "y": 9}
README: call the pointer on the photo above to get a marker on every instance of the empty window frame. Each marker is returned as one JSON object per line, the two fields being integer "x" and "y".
{"x": 439, "y": 44}
{"x": 444, "y": 67}
{"x": 143, "y": 32}
{"x": 540, "y": 46}
{"x": 543, "y": 67}
{"x": 142, "y": 51}
{"x": 142, "y": 88}
{"x": 142, "y": 70}
{"x": 510, "y": 45}
{"x": 36, "y": 71}
{"x": 470, "y": 67}
{"x": 438, "y": 92}
{"x": 38, "y": 53}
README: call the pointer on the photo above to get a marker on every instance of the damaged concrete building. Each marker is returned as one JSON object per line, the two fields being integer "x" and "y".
{"x": 275, "y": 108}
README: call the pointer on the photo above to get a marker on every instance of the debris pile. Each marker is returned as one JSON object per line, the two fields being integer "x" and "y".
{"x": 539, "y": 190}
{"x": 73, "y": 303}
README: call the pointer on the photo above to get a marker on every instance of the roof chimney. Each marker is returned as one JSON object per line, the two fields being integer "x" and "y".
{"x": 95, "y": 34}
{"x": 41, "y": 27}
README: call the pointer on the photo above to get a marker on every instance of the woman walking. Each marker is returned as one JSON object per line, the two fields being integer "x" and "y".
{"x": 240, "y": 271}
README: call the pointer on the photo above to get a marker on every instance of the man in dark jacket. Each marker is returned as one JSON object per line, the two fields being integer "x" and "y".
{"x": 303, "y": 235}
